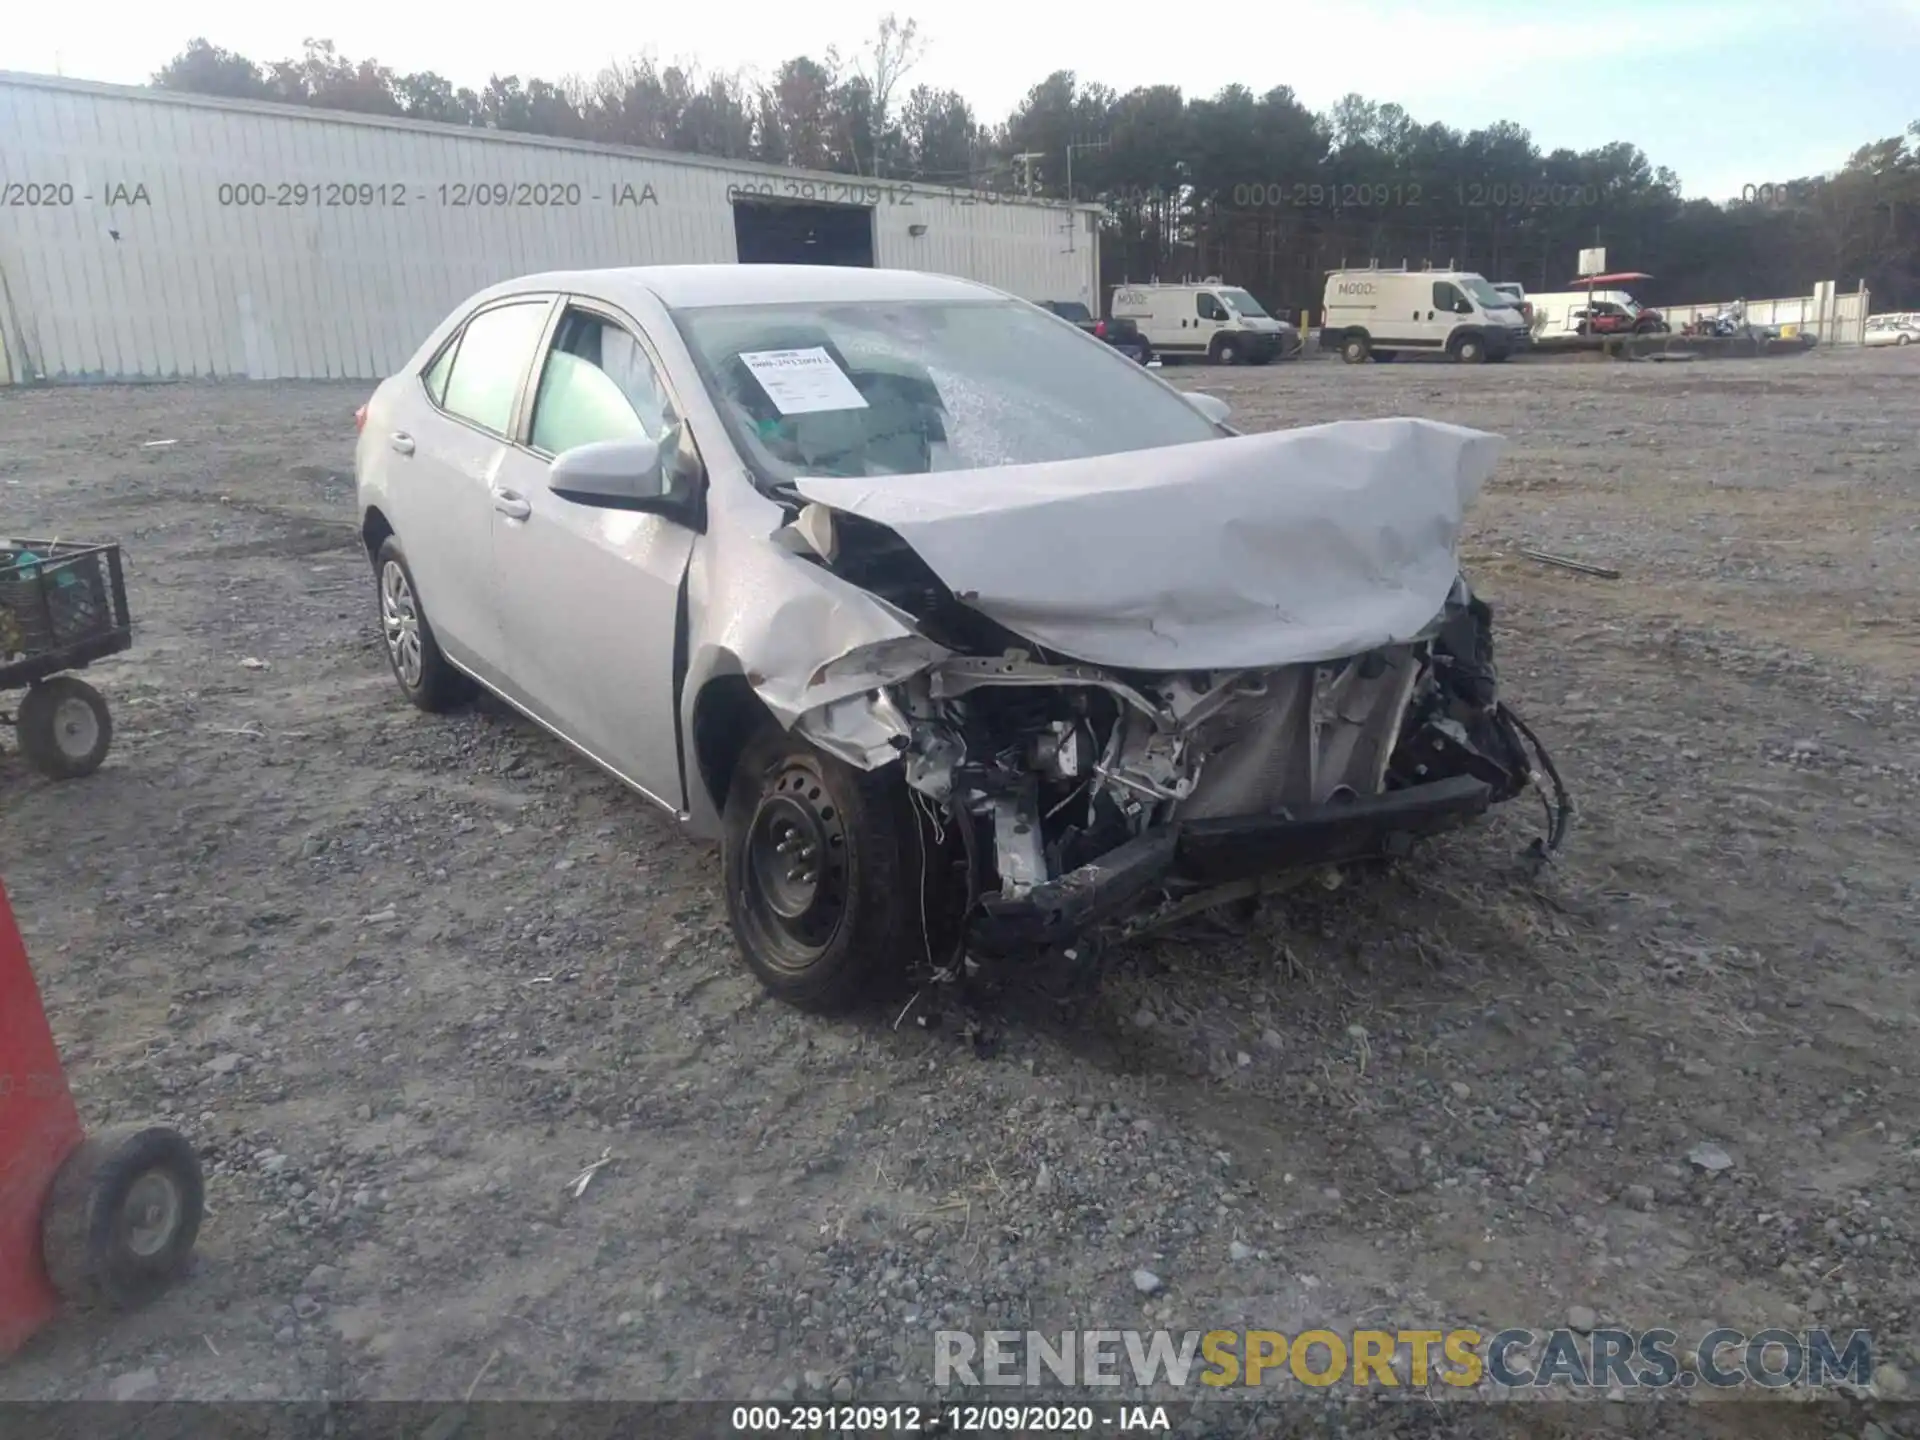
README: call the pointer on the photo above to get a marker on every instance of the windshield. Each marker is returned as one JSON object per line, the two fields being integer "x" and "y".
{"x": 1241, "y": 303}
{"x": 1488, "y": 297}
{"x": 906, "y": 388}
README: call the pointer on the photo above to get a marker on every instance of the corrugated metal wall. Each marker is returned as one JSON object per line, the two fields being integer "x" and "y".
{"x": 145, "y": 235}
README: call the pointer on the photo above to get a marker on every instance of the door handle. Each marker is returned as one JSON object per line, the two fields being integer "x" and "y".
{"x": 511, "y": 504}
{"x": 401, "y": 442}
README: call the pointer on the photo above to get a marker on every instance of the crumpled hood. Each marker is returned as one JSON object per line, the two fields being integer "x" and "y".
{"x": 1273, "y": 549}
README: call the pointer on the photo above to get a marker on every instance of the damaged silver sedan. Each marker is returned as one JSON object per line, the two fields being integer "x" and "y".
{"x": 962, "y": 634}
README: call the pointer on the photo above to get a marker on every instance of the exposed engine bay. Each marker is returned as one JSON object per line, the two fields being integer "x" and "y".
{"x": 1077, "y": 793}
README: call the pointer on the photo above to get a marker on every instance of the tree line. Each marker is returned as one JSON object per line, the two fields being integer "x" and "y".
{"x": 1253, "y": 187}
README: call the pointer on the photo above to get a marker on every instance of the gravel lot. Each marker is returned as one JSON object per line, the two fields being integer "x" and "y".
{"x": 402, "y": 978}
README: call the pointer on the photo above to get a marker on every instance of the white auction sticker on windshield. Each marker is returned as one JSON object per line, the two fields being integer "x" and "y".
{"x": 801, "y": 382}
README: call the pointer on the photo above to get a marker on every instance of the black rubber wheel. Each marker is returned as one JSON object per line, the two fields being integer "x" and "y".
{"x": 1355, "y": 349}
{"x": 1226, "y": 352}
{"x": 424, "y": 674}
{"x": 823, "y": 872}
{"x": 1904, "y": 340}
{"x": 1146, "y": 354}
{"x": 1469, "y": 350}
{"x": 122, "y": 1217}
{"x": 64, "y": 727}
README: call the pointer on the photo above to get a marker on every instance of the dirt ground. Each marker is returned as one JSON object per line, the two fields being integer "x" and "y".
{"x": 402, "y": 978}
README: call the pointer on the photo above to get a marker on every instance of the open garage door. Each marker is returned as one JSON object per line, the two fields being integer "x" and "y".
{"x": 778, "y": 232}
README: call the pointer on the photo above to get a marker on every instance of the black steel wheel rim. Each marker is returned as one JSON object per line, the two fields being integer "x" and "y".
{"x": 795, "y": 868}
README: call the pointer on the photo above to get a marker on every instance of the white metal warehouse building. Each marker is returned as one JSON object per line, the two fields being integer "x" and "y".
{"x": 152, "y": 235}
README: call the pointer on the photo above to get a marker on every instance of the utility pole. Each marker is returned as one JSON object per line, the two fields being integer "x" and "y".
{"x": 1073, "y": 219}
{"x": 1025, "y": 161}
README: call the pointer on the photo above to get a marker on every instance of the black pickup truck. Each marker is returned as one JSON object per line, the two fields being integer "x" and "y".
{"x": 1123, "y": 335}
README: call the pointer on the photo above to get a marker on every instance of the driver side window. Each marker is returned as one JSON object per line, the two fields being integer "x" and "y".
{"x": 1210, "y": 308}
{"x": 598, "y": 384}
{"x": 1445, "y": 295}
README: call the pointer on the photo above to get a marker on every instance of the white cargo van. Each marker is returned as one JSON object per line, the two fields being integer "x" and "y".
{"x": 1381, "y": 313}
{"x": 1210, "y": 321}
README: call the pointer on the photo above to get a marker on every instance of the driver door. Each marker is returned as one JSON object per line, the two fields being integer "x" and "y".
{"x": 1443, "y": 314}
{"x": 589, "y": 597}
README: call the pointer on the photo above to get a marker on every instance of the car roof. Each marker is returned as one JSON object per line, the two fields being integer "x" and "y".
{"x": 681, "y": 287}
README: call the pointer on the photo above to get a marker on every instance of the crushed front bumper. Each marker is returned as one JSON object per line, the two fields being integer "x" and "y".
{"x": 1218, "y": 851}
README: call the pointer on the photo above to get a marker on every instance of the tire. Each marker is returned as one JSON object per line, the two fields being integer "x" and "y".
{"x": 1225, "y": 352}
{"x": 1385, "y": 357}
{"x": 64, "y": 728}
{"x": 424, "y": 674}
{"x": 1904, "y": 340}
{"x": 1470, "y": 350}
{"x": 821, "y": 939}
{"x": 1355, "y": 349}
{"x": 123, "y": 1214}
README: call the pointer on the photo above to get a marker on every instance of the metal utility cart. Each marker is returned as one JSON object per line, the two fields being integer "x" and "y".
{"x": 62, "y": 607}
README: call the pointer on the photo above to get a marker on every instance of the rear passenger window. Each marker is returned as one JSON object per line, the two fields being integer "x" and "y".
{"x": 493, "y": 354}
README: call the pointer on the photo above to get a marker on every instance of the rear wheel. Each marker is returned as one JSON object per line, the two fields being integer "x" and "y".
{"x": 64, "y": 728}
{"x": 824, "y": 866}
{"x": 1355, "y": 349}
{"x": 1904, "y": 340}
{"x": 426, "y": 676}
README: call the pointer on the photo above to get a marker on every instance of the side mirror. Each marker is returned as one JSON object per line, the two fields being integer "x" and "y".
{"x": 1211, "y": 406}
{"x": 611, "y": 475}
{"x": 1463, "y": 307}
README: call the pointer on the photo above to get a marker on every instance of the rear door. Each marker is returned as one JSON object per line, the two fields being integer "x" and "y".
{"x": 448, "y": 443}
{"x": 589, "y": 598}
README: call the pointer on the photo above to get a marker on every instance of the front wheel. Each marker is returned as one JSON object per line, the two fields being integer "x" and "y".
{"x": 1469, "y": 350}
{"x": 64, "y": 728}
{"x": 1226, "y": 352}
{"x": 824, "y": 866}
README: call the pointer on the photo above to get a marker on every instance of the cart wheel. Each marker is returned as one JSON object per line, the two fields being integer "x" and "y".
{"x": 122, "y": 1216}
{"x": 64, "y": 728}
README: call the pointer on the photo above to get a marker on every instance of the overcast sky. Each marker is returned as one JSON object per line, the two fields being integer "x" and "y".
{"x": 1726, "y": 92}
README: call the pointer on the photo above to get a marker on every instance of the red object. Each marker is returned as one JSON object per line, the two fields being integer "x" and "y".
{"x": 360, "y": 419}
{"x": 39, "y": 1128}
{"x": 1100, "y": 328}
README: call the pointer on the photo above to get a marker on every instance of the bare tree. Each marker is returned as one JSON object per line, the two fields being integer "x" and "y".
{"x": 897, "y": 47}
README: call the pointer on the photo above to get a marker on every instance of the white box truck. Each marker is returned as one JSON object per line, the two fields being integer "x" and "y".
{"x": 1207, "y": 321}
{"x": 1380, "y": 314}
